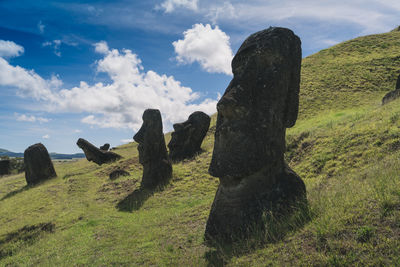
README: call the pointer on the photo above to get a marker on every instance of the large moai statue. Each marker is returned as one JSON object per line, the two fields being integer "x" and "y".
{"x": 38, "y": 165}
{"x": 187, "y": 136}
{"x": 157, "y": 168}
{"x": 260, "y": 102}
{"x": 96, "y": 155}
{"x": 392, "y": 95}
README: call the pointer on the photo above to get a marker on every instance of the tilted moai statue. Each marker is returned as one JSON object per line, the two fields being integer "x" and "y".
{"x": 38, "y": 165}
{"x": 260, "y": 102}
{"x": 187, "y": 138}
{"x": 96, "y": 155}
{"x": 157, "y": 168}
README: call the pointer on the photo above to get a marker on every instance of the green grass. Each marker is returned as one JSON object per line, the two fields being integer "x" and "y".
{"x": 345, "y": 146}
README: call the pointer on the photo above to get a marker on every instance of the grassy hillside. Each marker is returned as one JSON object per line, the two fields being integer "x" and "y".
{"x": 351, "y": 74}
{"x": 345, "y": 146}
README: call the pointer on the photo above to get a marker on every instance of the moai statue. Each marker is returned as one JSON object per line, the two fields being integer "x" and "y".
{"x": 261, "y": 101}
{"x": 38, "y": 165}
{"x": 5, "y": 166}
{"x": 96, "y": 155}
{"x": 187, "y": 138}
{"x": 157, "y": 168}
{"x": 392, "y": 95}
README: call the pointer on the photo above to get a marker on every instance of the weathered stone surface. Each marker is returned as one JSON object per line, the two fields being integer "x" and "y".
{"x": 187, "y": 138}
{"x": 96, "y": 155}
{"x": 259, "y": 104}
{"x": 105, "y": 147}
{"x": 38, "y": 165}
{"x": 157, "y": 168}
{"x": 392, "y": 95}
{"x": 117, "y": 173}
{"x": 5, "y": 167}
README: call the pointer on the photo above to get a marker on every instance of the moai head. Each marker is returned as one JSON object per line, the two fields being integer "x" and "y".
{"x": 157, "y": 168}
{"x": 38, "y": 165}
{"x": 259, "y": 104}
{"x": 150, "y": 137}
{"x": 187, "y": 136}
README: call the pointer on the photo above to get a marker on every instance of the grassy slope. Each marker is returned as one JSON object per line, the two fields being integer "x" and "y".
{"x": 345, "y": 146}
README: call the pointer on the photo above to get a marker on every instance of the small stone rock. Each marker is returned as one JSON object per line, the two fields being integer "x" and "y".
{"x": 117, "y": 173}
{"x": 105, "y": 147}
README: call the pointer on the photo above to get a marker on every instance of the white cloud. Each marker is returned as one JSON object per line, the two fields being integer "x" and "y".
{"x": 30, "y": 118}
{"x": 27, "y": 81}
{"x": 224, "y": 11}
{"x": 101, "y": 47}
{"x": 170, "y": 5}
{"x": 209, "y": 47}
{"x": 126, "y": 141}
{"x": 10, "y": 49}
{"x": 41, "y": 26}
{"x": 46, "y": 136}
{"x": 55, "y": 44}
{"x": 77, "y": 131}
{"x": 119, "y": 104}
{"x": 371, "y": 16}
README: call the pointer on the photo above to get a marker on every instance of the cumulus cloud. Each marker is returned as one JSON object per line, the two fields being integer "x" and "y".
{"x": 170, "y": 5}
{"x": 30, "y": 118}
{"x": 208, "y": 46}
{"x": 10, "y": 49}
{"x": 28, "y": 82}
{"x": 118, "y": 104}
{"x": 46, "y": 136}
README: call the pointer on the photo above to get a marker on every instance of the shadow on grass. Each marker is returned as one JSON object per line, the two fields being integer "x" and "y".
{"x": 17, "y": 191}
{"x": 26, "y": 187}
{"x": 136, "y": 199}
{"x": 277, "y": 226}
{"x": 28, "y": 235}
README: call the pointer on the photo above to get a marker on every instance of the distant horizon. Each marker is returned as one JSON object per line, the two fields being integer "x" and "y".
{"x": 72, "y": 69}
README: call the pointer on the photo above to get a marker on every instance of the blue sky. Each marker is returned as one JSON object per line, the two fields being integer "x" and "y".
{"x": 71, "y": 69}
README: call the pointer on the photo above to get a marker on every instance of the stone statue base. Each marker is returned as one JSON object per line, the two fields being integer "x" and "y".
{"x": 156, "y": 173}
{"x": 239, "y": 204}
